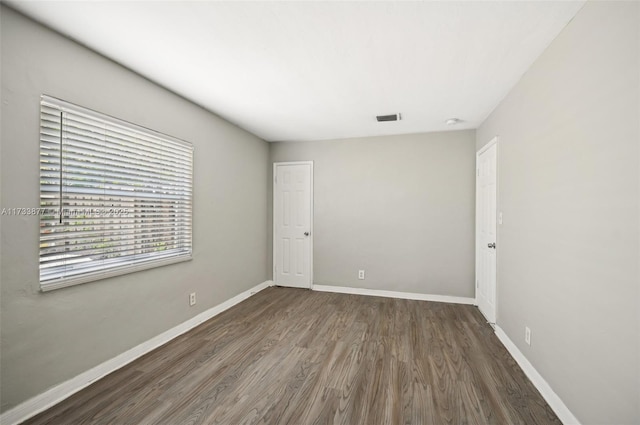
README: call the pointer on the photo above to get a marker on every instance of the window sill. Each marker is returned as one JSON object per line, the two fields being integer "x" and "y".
{"x": 91, "y": 277}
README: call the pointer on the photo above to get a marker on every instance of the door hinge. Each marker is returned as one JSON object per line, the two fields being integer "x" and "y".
{"x": 477, "y": 283}
{"x": 477, "y": 172}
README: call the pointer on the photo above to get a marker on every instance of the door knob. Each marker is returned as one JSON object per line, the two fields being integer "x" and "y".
{"x": 492, "y": 245}
{"x": 306, "y": 233}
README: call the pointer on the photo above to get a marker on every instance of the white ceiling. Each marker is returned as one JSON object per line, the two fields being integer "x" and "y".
{"x": 322, "y": 70}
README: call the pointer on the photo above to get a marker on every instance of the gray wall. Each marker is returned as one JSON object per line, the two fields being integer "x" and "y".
{"x": 399, "y": 207}
{"x": 49, "y": 338}
{"x": 568, "y": 251}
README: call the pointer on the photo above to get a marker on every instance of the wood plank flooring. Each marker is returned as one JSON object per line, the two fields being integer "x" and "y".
{"x": 293, "y": 356}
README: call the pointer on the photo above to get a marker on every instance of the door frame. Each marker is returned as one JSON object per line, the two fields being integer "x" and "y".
{"x": 492, "y": 142}
{"x": 273, "y": 219}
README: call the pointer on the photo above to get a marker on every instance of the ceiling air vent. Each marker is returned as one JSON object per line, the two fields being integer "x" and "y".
{"x": 393, "y": 117}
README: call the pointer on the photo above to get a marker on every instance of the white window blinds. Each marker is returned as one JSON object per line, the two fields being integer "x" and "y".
{"x": 114, "y": 197}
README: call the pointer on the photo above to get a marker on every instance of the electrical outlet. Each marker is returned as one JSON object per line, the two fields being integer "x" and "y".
{"x": 361, "y": 274}
{"x": 192, "y": 298}
{"x": 527, "y": 335}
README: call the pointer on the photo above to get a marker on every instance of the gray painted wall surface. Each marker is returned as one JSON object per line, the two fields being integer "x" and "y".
{"x": 49, "y": 338}
{"x": 399, "y": 207}
{"x": 568, "y": 251}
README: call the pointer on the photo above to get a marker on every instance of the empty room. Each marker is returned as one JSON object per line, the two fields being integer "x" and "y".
{"x": 320, "y": 212}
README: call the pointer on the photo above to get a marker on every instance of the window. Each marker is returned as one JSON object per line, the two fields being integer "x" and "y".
{"x": 114, "y": 197}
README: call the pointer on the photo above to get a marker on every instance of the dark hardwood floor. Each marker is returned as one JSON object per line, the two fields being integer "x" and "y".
{"x": 293, "y": 356}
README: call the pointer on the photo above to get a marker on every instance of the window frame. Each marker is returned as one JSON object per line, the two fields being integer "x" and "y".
{"x": 126, "y": 266}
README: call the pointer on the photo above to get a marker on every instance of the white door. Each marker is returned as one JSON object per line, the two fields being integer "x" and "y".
{"x": 292, "y": 224}
{"x": 486, "y": 190}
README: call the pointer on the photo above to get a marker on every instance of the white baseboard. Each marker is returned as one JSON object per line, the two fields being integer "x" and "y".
{"x": 558, "y": 406}
{"x": 394, "y": 294}
{"x": 55, "y": 395}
